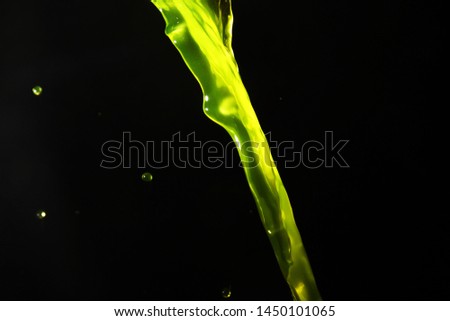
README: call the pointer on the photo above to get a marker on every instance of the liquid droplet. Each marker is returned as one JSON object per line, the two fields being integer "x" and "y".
{"x": 41, "y": 215}
{"x": 226, "y": 292}
{"x": 37, "y": 91}
{"x": 147, "y": 177}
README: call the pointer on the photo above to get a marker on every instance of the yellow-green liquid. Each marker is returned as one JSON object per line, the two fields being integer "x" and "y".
{"x": 201, "y": 30}
{"x": 226, "y": 292}
{"x": 37, "y": 90}
{"x": 147, "y": 177}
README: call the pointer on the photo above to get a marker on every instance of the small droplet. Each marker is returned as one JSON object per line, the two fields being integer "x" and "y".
{"x": 147, "y": 177}
{"x": 99, "y": 114}
{"x": 41, "y": 215}
{"x": 37, "y": 90}
{"x": 226, "y": 292}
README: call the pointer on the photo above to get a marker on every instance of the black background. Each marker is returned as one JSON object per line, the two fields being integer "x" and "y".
{"x": 373, "y": 231}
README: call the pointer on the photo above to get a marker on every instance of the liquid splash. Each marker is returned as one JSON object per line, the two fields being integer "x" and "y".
{"x": 201, "y": 30}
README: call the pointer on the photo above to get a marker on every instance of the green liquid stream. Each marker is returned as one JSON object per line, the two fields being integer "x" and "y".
{"x": 201, "y": 30}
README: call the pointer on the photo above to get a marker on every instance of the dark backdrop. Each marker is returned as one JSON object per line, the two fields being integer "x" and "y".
{"x": 373, "y": 231}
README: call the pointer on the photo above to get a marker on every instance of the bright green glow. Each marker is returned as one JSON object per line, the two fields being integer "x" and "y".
{"x": 202, "y": 30}
{"x": 37, "y": 90}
